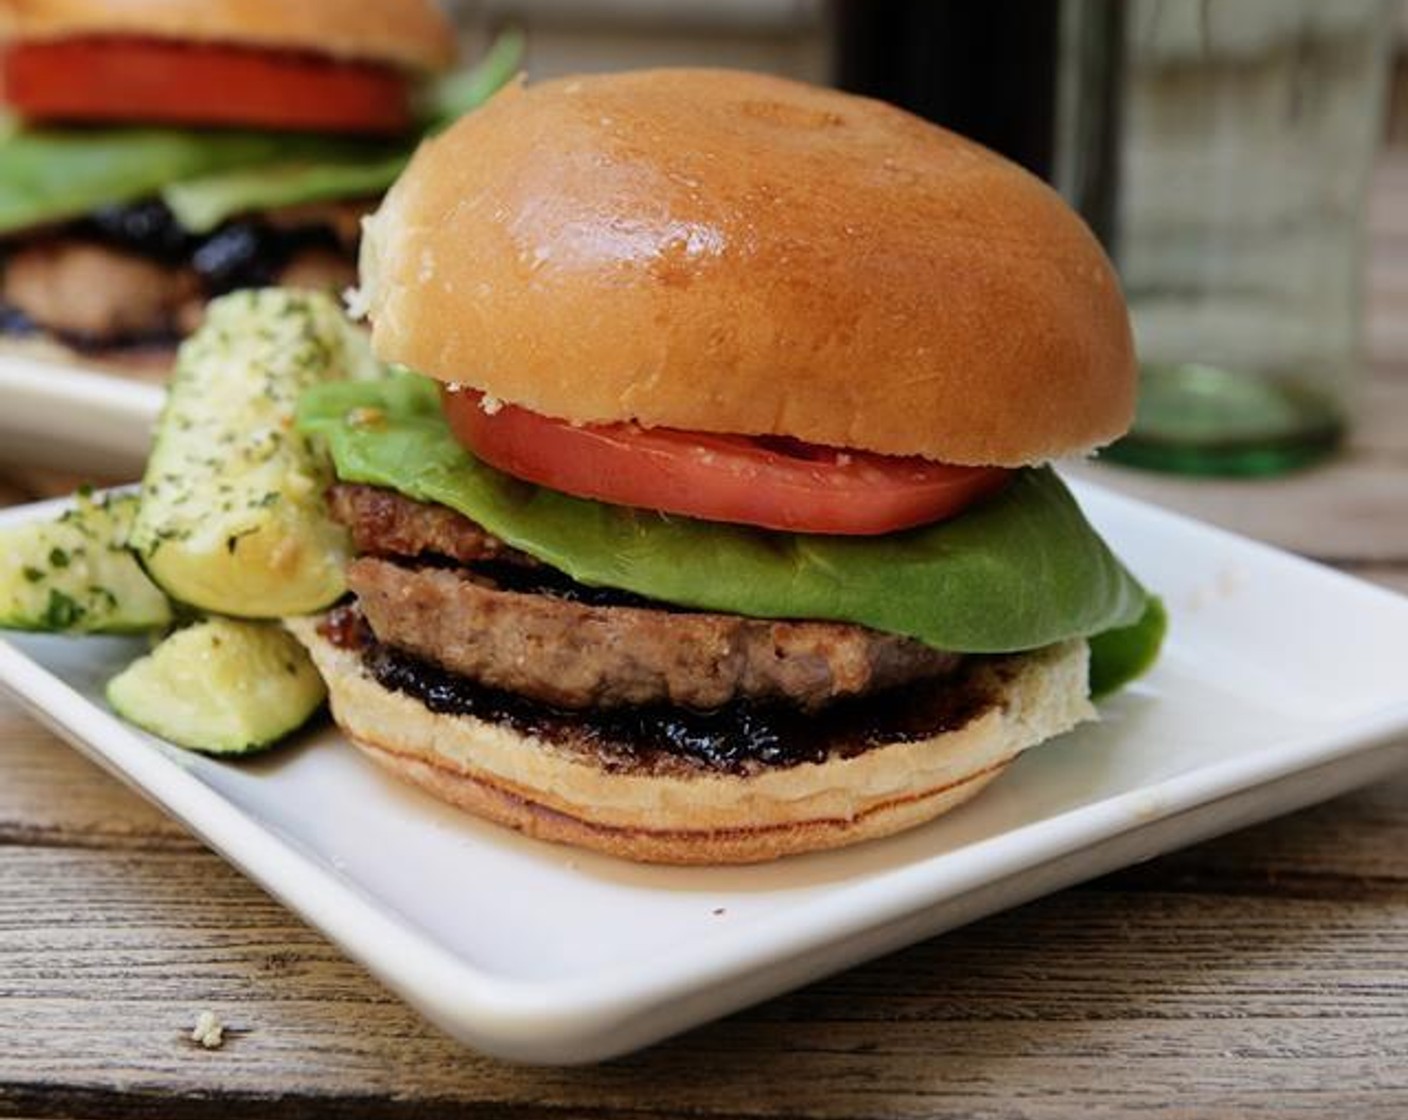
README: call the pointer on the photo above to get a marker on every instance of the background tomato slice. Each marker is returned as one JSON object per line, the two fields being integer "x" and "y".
{"x": 158, "y": 81}
{"x": 771, "y": 483}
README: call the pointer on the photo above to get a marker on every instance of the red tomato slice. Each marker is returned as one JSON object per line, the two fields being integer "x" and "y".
{"x": 769, "y": 482}
{"x": 157, "y": 81}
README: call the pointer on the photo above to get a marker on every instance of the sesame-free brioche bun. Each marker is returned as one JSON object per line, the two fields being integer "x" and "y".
{"x": 411, "y": 34}
{"x": 557, "y": 790}
{"x": 728, "y": 252}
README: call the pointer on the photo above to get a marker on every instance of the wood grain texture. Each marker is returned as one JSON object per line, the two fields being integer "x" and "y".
{"x": 1144, "y": 990}
{"x": 1351, "y": 511}
{"x": 1258, "y": 975}
{"x": 50, "y": 795}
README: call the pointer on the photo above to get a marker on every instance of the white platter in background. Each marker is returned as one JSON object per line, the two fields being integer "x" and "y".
{"x": 67, "y": 418}
{"x": 1283, "y": 683}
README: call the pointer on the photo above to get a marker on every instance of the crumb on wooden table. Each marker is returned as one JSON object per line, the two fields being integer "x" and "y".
{"x": 209, "y": 1031}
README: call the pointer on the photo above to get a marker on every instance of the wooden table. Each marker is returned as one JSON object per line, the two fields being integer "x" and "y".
{"x": 1265, "y": 973}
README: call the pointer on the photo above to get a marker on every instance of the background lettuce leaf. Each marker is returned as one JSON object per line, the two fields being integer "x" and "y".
{"x": 453, "y": 95}
{"x": 200, "y": 204}
{"x": 49, "y": 175}
{"x": 1022, "y": 570}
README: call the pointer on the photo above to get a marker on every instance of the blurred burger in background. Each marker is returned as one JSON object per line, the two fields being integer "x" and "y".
{"x": 162, "y": 152}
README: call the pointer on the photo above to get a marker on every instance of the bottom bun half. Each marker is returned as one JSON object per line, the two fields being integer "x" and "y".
{"x": 555, "y": 791}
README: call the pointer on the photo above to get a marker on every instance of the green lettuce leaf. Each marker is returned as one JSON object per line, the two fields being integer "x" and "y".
{"x": 1022, "y": 570}
{"x": 1125, "y": 653}
{"x": 200, "y": 204}
{"x": 49, "y": 175}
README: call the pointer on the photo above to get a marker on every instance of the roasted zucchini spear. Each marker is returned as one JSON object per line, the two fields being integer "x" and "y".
{"x": 75, "y": 574}
{"x": 221, "y": 686}
{"x": 232, "y": 517}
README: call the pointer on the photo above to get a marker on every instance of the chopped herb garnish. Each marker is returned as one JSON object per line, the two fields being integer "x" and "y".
{"x": 62, "y": 612}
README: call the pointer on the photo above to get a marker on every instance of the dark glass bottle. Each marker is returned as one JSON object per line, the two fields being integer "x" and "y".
{"x": 986, "y": 69}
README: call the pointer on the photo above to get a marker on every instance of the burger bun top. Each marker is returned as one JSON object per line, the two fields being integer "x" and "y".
{"x": 729, "y": 252}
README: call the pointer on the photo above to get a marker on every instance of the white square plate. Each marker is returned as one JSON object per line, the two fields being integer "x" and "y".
{"x": 1283, "y": 683}
{"x": 75, "y": 419}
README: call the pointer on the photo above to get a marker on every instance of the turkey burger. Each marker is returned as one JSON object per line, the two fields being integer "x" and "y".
{"x": 706, "y": 521}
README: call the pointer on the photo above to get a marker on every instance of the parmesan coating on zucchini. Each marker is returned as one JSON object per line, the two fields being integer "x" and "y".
{"x": 76, "y": 575}
{"x": 232, "y": 518}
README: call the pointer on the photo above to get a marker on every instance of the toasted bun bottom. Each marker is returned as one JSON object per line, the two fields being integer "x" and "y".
{"x": 550, "y": 791}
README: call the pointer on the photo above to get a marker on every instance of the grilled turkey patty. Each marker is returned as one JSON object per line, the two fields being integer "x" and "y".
{"x": 583, "y": 654}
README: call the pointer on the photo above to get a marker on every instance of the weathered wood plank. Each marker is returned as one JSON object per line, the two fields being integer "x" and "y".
{"x": 1349, "y": 849}
{"x": 50, "y": 794}
{"x": 1349, "y": 513}
{"x": 1352, "y": 509}
{"x": 1137, "y": 999}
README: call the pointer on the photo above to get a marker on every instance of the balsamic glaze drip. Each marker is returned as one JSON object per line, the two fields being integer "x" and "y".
{"x": 739, "y": 738}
